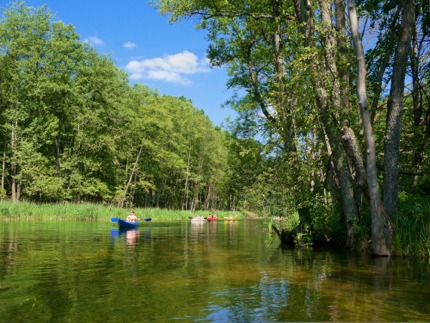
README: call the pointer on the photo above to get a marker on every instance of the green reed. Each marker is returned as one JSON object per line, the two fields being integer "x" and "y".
{"x": 168, "y": 215}
{"x": 412, "y": 226}
{"x": 61, "y": 211}
{"x": 94, "y": 212}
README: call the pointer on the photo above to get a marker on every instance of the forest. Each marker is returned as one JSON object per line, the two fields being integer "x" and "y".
{"x": 333, "y": 127}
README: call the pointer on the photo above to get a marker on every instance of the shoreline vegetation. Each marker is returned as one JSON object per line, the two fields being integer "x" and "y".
{"x": 10, "y": 211}
{"x": 412, "y": 221}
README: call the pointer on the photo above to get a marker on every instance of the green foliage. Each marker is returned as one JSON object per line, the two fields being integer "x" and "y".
{"x": 288, "y": 221}
{"x": 412, "y": 233}
{"x": 326, "y": 226}
{"x": 296, "y": 73}
{"x": 304, "y": 240}
{"x": 73, "y": 129}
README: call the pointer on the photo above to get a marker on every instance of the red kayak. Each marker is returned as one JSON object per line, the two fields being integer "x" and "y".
{"x": 212, "y": 218}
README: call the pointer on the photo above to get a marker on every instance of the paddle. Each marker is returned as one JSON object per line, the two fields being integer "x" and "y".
{"x": 116, "y": 219}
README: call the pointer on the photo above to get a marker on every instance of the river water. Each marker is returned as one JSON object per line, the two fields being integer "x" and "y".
{"x": 195, "y": 272}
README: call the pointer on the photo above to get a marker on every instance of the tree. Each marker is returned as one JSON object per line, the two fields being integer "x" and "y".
{"x": 379, "y": 244}
{"x": 74, "y": 129}
{"x": 292, "y": 60}
{"x": 23, "y": 33}
{"x": 395, "y": 107}
{"x": 274, "y": 52}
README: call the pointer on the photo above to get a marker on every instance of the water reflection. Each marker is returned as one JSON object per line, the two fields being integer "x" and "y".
{"x": 197, "y": 228}
{"x": 229, "y": 227}
{"x": 215, "y": 272}
{"x": 331, "y": 286}
{"x": 132, "y": 236}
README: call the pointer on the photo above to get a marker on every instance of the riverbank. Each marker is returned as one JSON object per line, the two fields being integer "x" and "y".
{"x": 94, "y": 212}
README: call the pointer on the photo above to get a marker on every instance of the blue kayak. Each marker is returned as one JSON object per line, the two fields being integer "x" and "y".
{"x": 126, "y": 224}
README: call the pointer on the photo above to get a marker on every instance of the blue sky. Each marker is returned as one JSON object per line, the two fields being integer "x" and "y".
{"x": 167, "y": 57}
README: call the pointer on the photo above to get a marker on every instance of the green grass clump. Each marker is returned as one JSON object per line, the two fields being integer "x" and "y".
{"x": 412, "y": 226}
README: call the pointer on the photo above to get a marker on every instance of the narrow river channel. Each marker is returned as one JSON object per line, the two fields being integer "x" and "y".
{"x": 226, "y": 271}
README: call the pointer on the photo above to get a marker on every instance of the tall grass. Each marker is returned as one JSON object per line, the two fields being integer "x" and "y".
{"x": 92, "y": 212}
{"x": 166, "y": 215}
{"x": 63, "y": 211}
{"x": 412, "y": 226}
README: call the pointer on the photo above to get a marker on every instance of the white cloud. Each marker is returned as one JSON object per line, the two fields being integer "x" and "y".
{"x": 94, "y": 40}
{"x": 169, "y": 68}
{"x": 129, "y": 45}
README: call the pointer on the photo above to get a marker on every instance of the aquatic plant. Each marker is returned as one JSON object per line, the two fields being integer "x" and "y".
{"x": 93, "y": 212}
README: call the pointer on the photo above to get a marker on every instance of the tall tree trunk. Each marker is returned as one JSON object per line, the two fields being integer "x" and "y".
{"x": 18, "y": 190}
{"x": 339, "y": 101}
{"x": 194, "y": 200}
{"x": 285, "y": 123}
{"x": 395, "y": 107}
{"x": 326, "y": 79}
{"x": 419, "y": 138}
{"x": 187, "y": 181}
{"x": 341, "y": 166}
{"x": 13, "y": 171}
{"x": 3, "y": 170}
{"x": 379, "y": 244}
{"x": 132, "y": 175}
{"x": 208, "y": 197}
{"x": 342, "y": 58}
{"x": 384, "y": 62}
{"x": 354, "y": 153}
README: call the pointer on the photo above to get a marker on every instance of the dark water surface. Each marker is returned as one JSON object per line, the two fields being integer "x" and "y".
{"x": 187, "y": 272}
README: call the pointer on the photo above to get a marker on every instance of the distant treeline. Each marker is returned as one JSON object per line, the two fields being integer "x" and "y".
{"x": 74, "y": 129}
